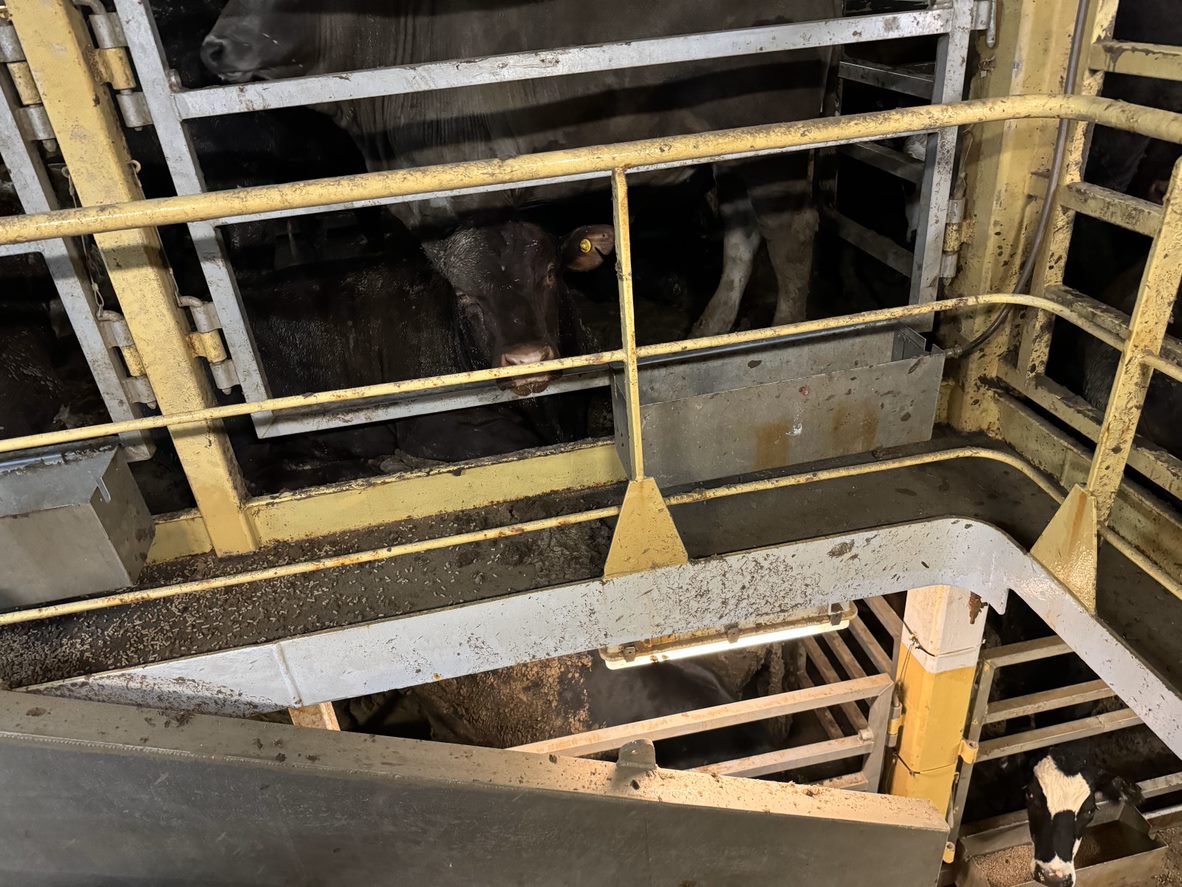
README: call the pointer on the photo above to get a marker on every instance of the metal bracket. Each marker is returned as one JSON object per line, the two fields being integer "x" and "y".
{"x": 969, "y": 751}
{"x": 207, "y": 342}
{"x": 116, "y": 334}
{"x": 639, "y": 754}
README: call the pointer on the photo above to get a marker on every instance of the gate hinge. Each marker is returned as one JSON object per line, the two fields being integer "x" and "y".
{"x": 10, "y": 46}
{"x": 957, "y": 232}
{"x": 116, "y": 334}
{"x": 969, "y": 751}
{"x": 208, "y": 344}
{"x": 895, "y": 724}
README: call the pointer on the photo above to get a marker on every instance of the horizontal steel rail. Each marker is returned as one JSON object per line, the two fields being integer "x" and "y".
{"x": 713, "y": 718}
{"x": 660, "y": 153}
{"x": 198, "y": 586}
{"x": 1044, "y": 737}
{"x": 685, "y": 347}
{"x": 1139, "y": 59}
{"x": 795, "y": 758}
{"x": 458, "y": 73}
{"x": 1047, "y": 700}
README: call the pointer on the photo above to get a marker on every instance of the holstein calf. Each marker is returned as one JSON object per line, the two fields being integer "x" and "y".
{"x": 1061, "y": 802}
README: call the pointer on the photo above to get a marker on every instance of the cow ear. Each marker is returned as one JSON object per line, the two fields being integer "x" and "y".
{"x": 585, "y": 249}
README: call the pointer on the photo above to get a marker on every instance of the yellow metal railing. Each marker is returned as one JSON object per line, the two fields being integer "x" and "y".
{"x": 125, "y": 227}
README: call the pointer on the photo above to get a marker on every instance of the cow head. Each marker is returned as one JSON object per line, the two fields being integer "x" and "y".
{"x": 508, "y": 285}
{"x": 1060, "y": 807}
{"x": 262, "y": 39}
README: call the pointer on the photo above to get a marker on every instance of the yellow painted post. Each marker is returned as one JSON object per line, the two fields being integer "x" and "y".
{"x": 942, "y": 634}
{"x": 64, "y": 64}
{"x": 318, "y": 717}
{"x": 1029, "y": 57}
{"x": 1147, "y": 331}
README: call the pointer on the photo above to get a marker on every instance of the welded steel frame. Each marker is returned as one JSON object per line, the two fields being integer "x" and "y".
{"x": 171, "y": 107}
{"x": 869, "y": 741}
{"x": 986, "y": 711}
{"x": 66, "y": 266}
{"x": 498, "y": 632}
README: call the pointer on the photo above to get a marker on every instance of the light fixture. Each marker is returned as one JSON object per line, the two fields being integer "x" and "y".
{"x": 766, "y": 630}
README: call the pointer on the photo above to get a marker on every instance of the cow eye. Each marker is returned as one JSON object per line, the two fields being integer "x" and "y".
{"x": 551, "y": 274}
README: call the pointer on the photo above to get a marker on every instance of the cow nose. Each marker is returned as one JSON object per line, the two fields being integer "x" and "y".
{"x": 213, "y": 51}
{"x": 1053, "y": 879}
{"x": 524, "y": 354}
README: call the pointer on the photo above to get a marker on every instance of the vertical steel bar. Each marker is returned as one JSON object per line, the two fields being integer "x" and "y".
{"x": 986, "y": 672}
{"x": 879, "y": 726}
{"x": 627, "y": 323}
{"x": 66, "y": 267}
{"x": 80, "y": 108}
{"x": 143, "y": 43}
{"x": 1035, "y": 345}
{"x": 936, "y": 190}
{"x": 1147, "y": 330}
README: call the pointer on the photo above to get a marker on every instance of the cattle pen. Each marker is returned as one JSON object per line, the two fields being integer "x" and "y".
{"x": 804, "y": 599}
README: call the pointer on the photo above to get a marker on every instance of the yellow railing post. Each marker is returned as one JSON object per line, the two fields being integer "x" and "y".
{"x": 645, "y": 535}
{"x": 79, "y": 105}
{"x": 1147, "y": 331}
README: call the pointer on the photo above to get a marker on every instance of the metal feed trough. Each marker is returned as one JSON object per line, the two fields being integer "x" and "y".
{"x": 802, "y": 401}
{"x": 1127, "y": 854}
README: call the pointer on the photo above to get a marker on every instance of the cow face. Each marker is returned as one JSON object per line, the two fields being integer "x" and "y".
{"x": 508, "y": 286}
{"x": 1060, "y": 808}
{"x": 262, "y": 39}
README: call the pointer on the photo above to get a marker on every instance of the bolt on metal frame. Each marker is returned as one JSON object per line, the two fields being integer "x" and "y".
{"x": 171, "y": 107}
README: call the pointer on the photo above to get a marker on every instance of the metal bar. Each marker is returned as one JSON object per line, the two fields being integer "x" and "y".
{"x": 1131, "y": 213}
{"x": 843, "y": 654}
{"x": 146, "y": 52}
{"x": 1159, "y": 466}
{"x": 1025, "y": 651}
{"x": 1147, "y": 331}
{"x": 1138, "y": 59}
{"x": 713, "y": 718}
{"x": 644, "y": 154}
{"x": 57, "y": 46}
{"x": 791, "y": 758}
{"x": 829, "y": 675}
{"x": 875, "y": 245}
{"x": 1161, "y": 785}
{"x": 887, "y": 159}
{"x": 1046, "y": 736}
{"x": 623, "y": 228}
{"x": 986, "y": 673}
{"x": 879, "y": 725}
{"x": 1115, "y": 325}
{"x": 823, "y": 715}
{"x": 851, "y": 782}
{"x": 886, "y": 615}
{"x": 887, "y": 77}
{"x": 1048, "y": 700}
{"x": 483, "y": 394}
{"x": 952, "y": 53}
{"x": 352, "y": 85}
{"x": 870, "y": 645}
{"x": 202, "y": 585}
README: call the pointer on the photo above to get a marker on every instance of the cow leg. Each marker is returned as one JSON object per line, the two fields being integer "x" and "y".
{"x": 782, "y": 196}
{"x": 740, "y": 242}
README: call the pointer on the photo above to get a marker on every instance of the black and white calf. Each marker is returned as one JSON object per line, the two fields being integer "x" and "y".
{"x": 1061, "y": 802}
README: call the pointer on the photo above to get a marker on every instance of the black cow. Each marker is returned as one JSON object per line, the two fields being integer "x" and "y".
{"x": 372, "y": 319}
{"x": 761, "y": 200}
{"x": 1061, "y": 803}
